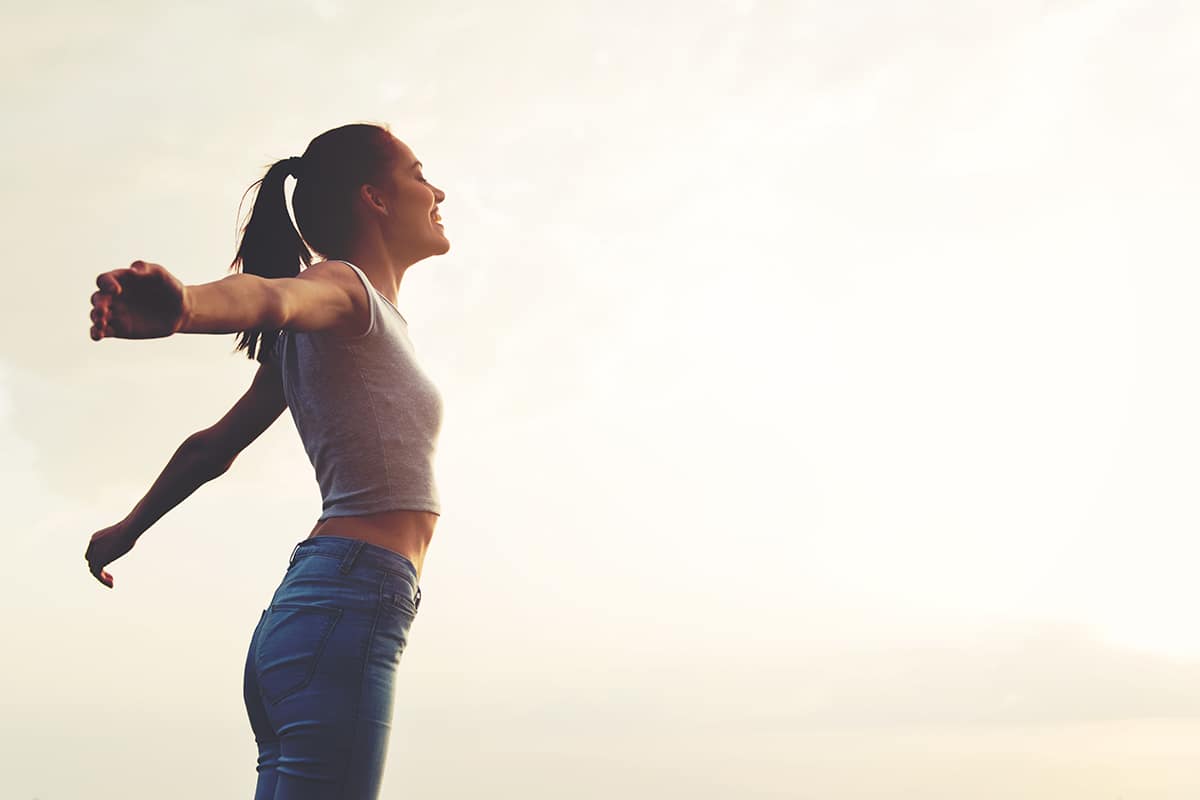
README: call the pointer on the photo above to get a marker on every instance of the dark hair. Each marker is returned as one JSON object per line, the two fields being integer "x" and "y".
{"x": 328, "y": 176}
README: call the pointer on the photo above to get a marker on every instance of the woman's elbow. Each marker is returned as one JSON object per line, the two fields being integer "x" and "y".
{"x": 206, "y": 456}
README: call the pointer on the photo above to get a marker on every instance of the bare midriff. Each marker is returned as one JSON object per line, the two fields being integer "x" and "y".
{"x": 405, "y": 532}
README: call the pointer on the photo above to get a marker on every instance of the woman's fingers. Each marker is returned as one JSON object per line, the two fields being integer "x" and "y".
{"x": 103, "y": 576}
{"x": 111, "y": 281}
{"x": 102, "y": 300}
{"x": 98, "y": 571}
{"x": 99, "y": 316}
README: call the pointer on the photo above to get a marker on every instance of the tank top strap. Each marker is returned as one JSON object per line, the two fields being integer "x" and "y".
{"x": 372, "y": 300}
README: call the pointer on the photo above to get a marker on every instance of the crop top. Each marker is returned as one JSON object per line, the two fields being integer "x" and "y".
{"x": 367, "y": 414}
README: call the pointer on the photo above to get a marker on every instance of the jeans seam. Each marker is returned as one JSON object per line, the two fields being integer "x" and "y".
{"x": 362, "y": 685}
{"x": 254, "y": 662}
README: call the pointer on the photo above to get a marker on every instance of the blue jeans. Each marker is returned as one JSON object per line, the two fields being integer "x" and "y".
{"x": 321, "y": 670}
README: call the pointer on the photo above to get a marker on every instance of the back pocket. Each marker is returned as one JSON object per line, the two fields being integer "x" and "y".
{"x": 290, "y": 645}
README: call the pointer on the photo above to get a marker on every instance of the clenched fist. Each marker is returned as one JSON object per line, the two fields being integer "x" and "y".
{"x": 106, "y": 546}
{"x": 141, "y": 302}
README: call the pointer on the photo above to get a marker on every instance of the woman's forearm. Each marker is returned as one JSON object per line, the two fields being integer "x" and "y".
{"x": 238, "y": 302}
{"x": 191, "y": 466}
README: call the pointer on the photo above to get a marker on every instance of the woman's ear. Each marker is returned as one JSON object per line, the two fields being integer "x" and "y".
{"x": 374, "y": 197}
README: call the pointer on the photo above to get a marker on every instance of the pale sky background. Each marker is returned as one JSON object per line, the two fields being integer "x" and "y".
{"x": 821, "y": 401}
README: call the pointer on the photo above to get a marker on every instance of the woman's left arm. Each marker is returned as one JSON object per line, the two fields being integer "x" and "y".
{"x": 203, "y": 456}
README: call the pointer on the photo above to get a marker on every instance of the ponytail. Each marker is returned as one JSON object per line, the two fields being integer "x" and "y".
{"x": 328, "y": 176}
{"x": 271, "y": 247}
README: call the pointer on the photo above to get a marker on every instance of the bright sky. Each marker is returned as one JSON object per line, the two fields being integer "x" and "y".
{"x": 819, "y": 386}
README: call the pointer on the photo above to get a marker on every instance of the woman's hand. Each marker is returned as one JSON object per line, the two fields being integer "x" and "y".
{"x": 141, "y": 302}
{"x": 106, "y": 546}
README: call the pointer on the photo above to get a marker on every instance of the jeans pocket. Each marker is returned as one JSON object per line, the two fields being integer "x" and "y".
{"x": 290, "y": 645}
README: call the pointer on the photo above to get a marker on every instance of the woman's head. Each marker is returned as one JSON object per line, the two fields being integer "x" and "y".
{"x": 360, "y": 180}
{"x": 352, "y": 182}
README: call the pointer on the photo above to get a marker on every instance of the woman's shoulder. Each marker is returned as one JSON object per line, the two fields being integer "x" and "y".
{"x": 334, "y": 269}
{"x": 356, "y": 285}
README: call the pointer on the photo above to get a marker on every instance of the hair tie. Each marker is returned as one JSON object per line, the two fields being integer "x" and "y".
{"x": 294, "y": 165}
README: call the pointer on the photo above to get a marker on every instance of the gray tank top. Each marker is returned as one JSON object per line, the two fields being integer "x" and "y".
{"x": 367, "y": 414}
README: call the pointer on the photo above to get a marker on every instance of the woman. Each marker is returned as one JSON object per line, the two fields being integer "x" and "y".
{"x": 334, "y": 349}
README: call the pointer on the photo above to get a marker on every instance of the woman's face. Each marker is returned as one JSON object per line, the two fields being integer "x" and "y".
{"x": 414, "y": 206}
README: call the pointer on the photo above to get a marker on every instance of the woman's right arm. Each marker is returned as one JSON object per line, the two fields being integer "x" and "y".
{"x": 146, "y": 301}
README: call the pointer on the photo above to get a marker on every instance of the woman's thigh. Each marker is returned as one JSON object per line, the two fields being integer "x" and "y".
{"x": 320, "y": 680}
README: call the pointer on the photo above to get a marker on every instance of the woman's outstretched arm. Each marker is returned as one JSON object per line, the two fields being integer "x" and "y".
{"x": 203, "y": 456}
{"x": 145, "y": 301}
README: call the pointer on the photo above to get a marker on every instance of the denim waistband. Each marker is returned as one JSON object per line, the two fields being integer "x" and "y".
{"x": 355, "y": 551}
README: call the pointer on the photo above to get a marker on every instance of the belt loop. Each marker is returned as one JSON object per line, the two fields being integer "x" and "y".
{"x": 348, "y": 562}
{"x": 417, "y": 600}
{"x": 292, "y": 558}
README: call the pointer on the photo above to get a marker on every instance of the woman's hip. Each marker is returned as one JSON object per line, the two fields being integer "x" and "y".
{"x": 340, "y": 616}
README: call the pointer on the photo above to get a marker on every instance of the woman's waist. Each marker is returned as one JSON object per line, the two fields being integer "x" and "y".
{"x": 404, "y": 531}
{"x": 349, "y": 574}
